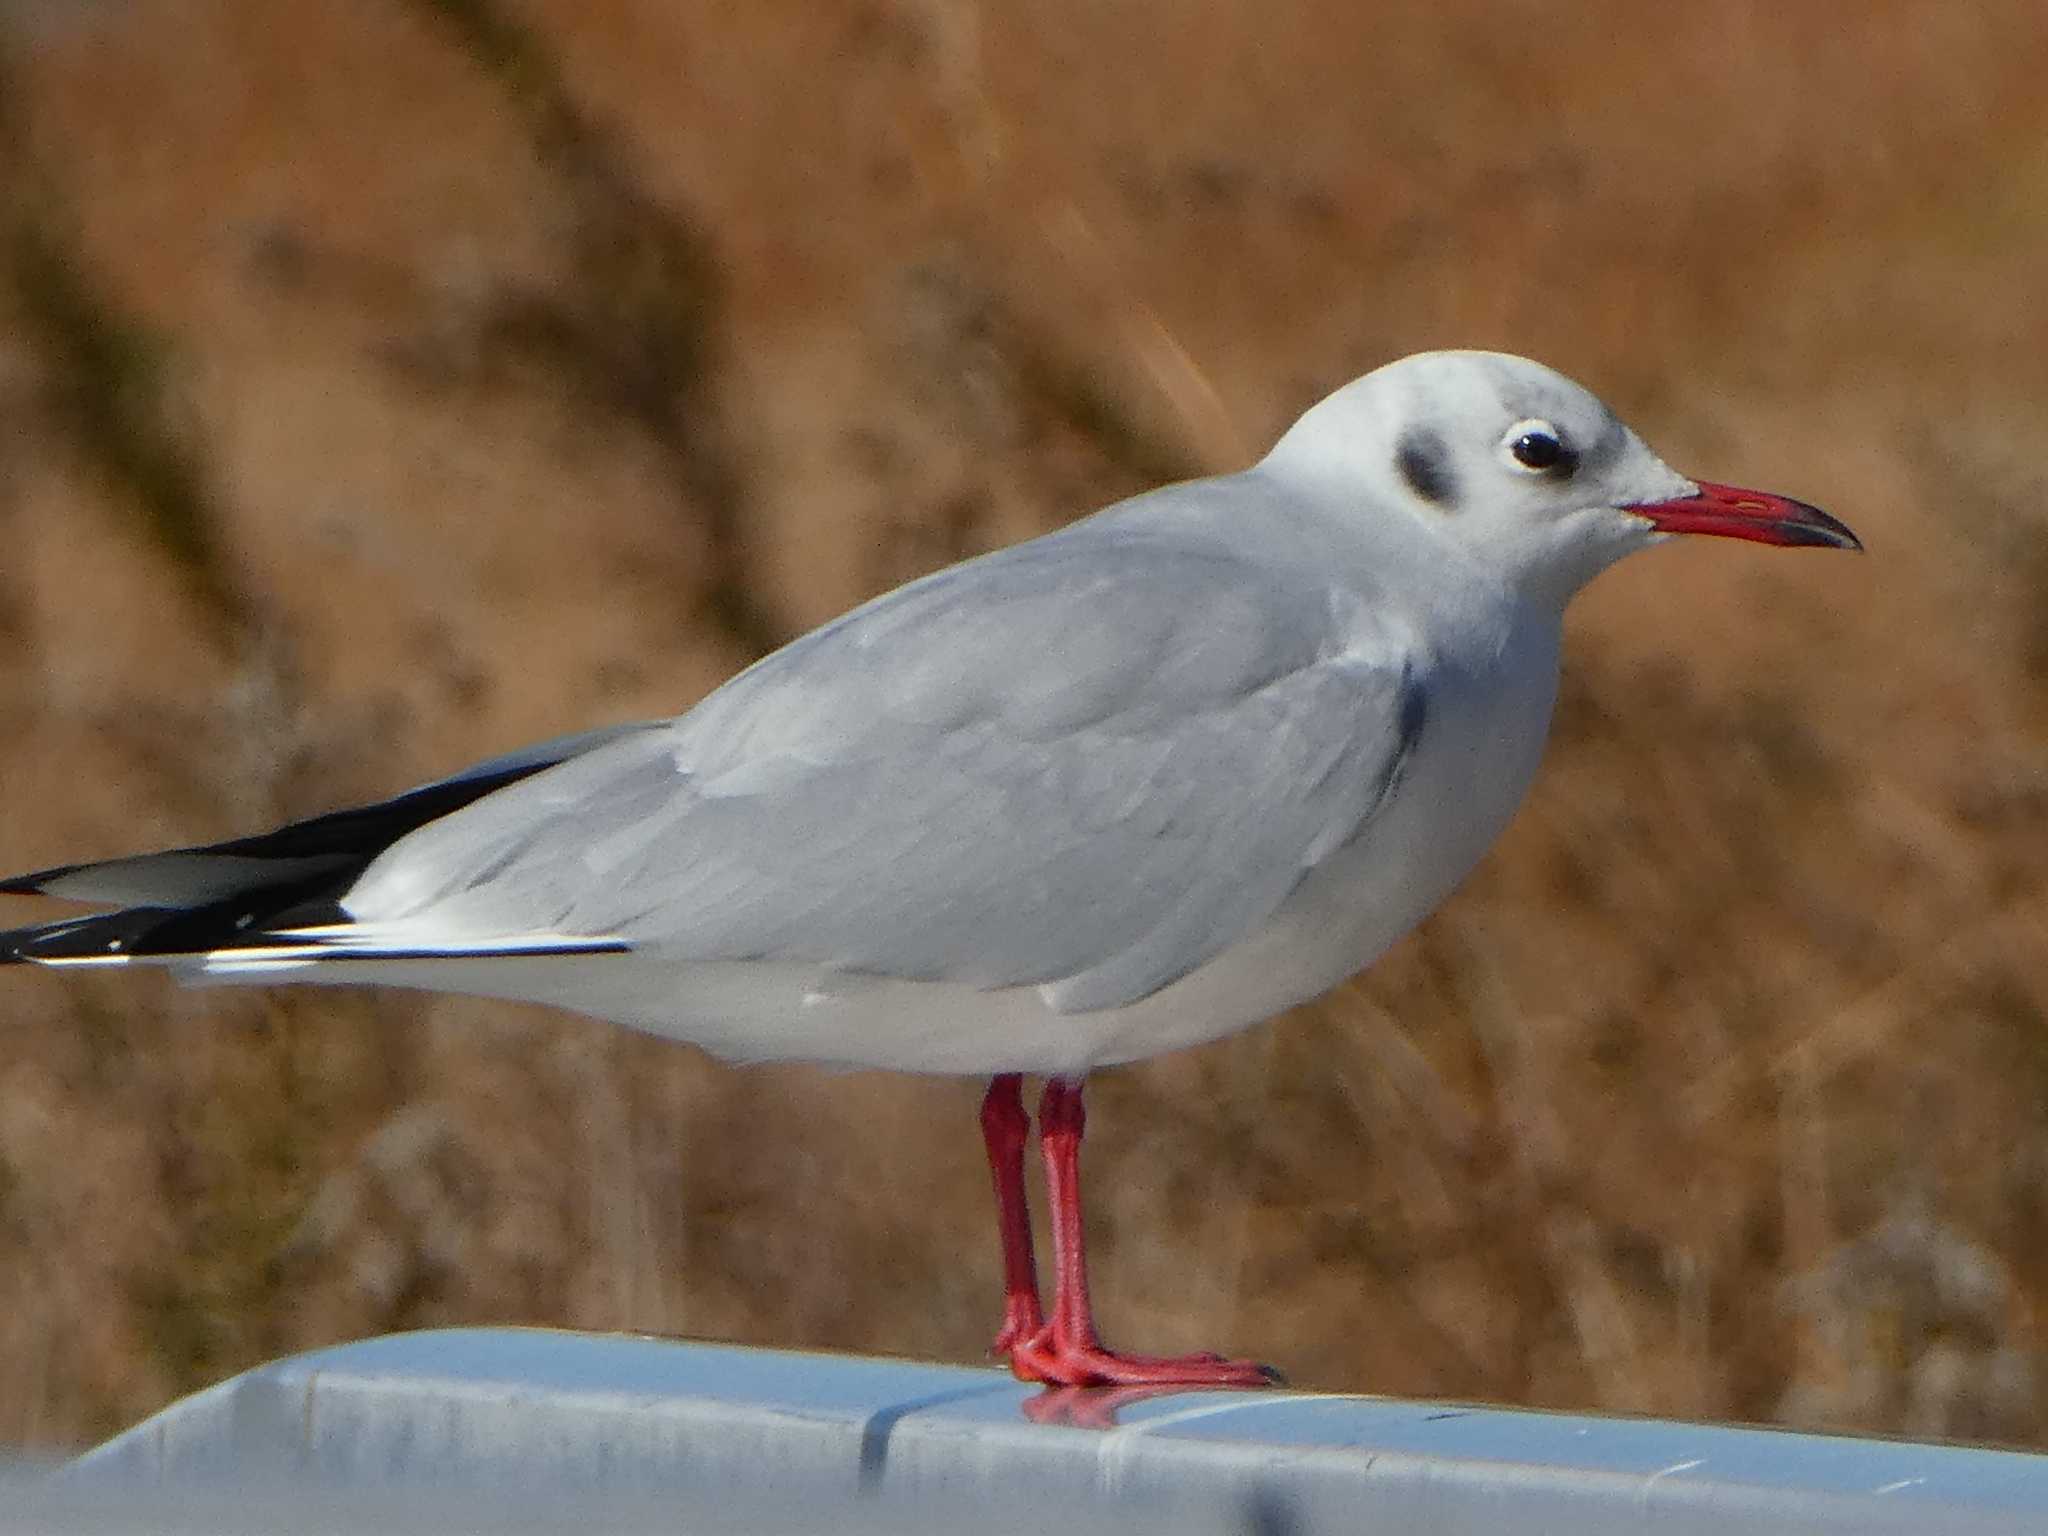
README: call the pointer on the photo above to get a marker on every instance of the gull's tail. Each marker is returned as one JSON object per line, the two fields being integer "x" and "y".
{"x": 270, "y": 903}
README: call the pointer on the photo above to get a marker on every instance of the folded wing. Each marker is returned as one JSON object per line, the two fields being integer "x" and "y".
{"x": 1087, "y": 764}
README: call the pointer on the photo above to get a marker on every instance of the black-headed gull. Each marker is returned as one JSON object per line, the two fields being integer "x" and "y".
{"x": 1128, "y": 787}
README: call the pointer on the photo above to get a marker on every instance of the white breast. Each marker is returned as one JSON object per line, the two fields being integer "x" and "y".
{"x": 1479, "y": 751}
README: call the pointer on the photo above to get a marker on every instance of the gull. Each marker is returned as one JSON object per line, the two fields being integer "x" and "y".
{"x": 1122, "y": 789}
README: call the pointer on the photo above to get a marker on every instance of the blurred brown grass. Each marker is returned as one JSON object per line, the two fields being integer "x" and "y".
{"x": 389, "y": 384}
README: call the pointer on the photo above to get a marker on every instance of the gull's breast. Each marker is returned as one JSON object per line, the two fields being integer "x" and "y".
{"x": 1478, "y": 751}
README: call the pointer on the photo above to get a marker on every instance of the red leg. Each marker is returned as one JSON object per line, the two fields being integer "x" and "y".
{"x": 1066, "y": 1351}
{"x": 1004, "y": 1128}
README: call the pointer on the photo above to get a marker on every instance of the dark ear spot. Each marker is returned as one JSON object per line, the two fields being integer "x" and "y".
{"x": 1425, "y": 463}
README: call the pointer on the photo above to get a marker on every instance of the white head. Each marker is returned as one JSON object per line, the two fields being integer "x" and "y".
{"x": 1522, "y": 470}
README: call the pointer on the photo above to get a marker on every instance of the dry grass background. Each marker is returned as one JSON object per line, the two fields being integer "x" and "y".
{"x": 389, "y": 382}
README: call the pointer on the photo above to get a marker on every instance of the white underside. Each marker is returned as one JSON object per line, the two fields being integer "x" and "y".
{"x": 770, "y": 1011}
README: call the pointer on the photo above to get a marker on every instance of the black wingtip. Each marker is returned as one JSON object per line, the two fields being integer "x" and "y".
{"x": 101, "y": 935}
{"x": 32, "y": 884}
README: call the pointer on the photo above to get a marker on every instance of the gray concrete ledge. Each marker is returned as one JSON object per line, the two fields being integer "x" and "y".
{"x": 525, "y": 1429}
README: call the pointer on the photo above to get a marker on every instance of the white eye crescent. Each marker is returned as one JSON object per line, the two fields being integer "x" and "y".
{"x": 1538, "y": 448}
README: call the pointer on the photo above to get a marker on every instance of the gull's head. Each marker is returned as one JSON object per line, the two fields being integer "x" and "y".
{"x": 1522, "y": 470}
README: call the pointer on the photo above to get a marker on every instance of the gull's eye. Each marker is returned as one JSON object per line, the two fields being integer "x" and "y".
{"x": 1539, "y": 447}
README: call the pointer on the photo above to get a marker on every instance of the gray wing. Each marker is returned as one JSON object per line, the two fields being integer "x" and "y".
{"x": 1088, "y": 763}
